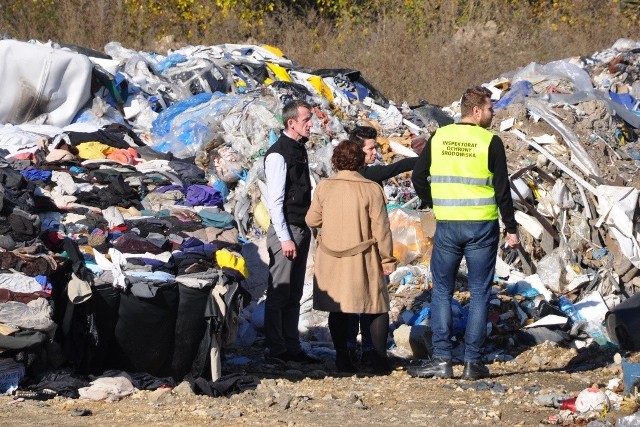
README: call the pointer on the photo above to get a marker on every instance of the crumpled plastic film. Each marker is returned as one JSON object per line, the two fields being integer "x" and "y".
{"x": 583, "y": 160}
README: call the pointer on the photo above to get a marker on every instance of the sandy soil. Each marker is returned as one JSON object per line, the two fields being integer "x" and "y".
{"x": 296, "y": 394}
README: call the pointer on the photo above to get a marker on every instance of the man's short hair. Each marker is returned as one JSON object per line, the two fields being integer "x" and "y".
{"x": 290, "y": 110}
{"x": 473, "y": 97}
{"x": 360, "y": 134}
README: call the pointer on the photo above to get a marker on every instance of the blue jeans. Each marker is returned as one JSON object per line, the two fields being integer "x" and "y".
{"x": 477, "y": 241}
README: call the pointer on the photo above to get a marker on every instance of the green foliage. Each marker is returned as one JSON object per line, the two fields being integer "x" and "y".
{"x": 19, "y": 16}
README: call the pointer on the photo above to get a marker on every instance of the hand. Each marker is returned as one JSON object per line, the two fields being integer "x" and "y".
{"x": 417, "y": 144}
{"x": 289, "y": 249}
{"x": 512, "y": 240}
{"x": 387, "y": 272}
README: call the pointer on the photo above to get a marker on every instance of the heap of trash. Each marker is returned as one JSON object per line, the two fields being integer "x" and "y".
{"x": 133, "y": 181}
{"x": 570, "y": 130}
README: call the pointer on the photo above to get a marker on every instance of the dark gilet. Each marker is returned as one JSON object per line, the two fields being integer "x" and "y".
{"x": 297, "y": 191}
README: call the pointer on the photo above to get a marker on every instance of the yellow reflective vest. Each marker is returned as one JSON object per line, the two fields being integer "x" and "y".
{"x": 461, "y": 183}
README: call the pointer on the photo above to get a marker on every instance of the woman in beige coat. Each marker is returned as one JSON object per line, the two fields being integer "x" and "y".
{"x": 355, "y": 252}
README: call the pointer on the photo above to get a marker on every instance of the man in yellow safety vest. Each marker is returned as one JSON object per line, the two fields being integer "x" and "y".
{"x": 462, "y": 174}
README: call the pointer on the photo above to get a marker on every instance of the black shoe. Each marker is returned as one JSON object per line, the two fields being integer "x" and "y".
{"x": 353, "y": 356}
{"x": 343, "y": 362}
{"x": 436, "y": 368}
{"x": 367, "y": 357}
{"x": 474, "y": 371}
{"x": 379, "y": 364}
{"x": 302, "y": 357}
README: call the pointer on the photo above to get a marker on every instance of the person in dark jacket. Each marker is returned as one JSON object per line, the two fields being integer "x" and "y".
{"x": 366, "y": 137}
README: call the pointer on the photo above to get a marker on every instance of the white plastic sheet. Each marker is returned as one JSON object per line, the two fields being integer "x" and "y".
{"x": 41, "y": 82}
{"x": 616, "y": 206}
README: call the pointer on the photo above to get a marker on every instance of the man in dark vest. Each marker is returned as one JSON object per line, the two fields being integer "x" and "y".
{"x": 288, "y": 237}
{"x": 462, "y": 174}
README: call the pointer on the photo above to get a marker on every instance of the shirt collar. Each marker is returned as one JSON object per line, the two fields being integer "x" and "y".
{"x": 285, "y": 132}
{"x": 302, "y": 141}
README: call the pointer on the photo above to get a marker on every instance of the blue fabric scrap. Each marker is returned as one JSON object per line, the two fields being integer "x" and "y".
{"x": 33, "y": 174}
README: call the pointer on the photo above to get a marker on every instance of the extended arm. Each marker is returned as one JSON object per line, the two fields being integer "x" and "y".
{"x": 379, "y": 173}
{"x": 421, "y": 173}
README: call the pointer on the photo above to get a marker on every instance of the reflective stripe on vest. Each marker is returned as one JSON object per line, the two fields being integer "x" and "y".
{"x": 465, "y": 202}
{"x": 461, "y": 183}
{"x": 461, "y": 180}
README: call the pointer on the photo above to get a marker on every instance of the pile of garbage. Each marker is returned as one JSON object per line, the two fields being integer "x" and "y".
{"x": 136, "y": 169}
{"x": 133, "y": 185}
{"x": 570, "y": 130}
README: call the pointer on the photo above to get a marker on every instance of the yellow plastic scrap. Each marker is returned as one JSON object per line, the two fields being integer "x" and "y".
{"x": 273, "y": 50}
{"x": 279, "y": 72}
{"x": 533, "y": 187}
{"x": 321, "y": 87}
{"x": 261, "y": 216}
{"x": 7, "y": 330}
{"x": 224, "y": 258}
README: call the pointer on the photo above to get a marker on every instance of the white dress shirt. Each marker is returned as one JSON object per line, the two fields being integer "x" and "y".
{"x": 275, "y": 169}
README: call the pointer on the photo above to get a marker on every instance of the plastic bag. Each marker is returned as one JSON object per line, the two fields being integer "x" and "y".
{"x": 629, "y": 421}
{"x": 562, "y": 196}
{"x": 249, "y": 126}
{"x": 261, "y": 216}
{"x": 186, "y": 126}
{"x": 592, "y": 399}
{"x": 177, "y": 129}
{"x": 551, "y": 269}
{"x": 320, "y": 160}
{"x": 580, "y": 233}
{"x": 99, "y": 113}
{"x": 562, "y": 69}
{"x": 409, "y": 240}
{"x": 517, "y": 92}
{"x": 228, "y": 164}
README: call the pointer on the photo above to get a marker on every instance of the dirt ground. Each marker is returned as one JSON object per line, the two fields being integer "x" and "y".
{"x": 315, "y": 395}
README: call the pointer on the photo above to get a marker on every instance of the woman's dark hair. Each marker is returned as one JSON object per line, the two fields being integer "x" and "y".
{"x": 347, "y": 155}
{"x": 360, "y": 134}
